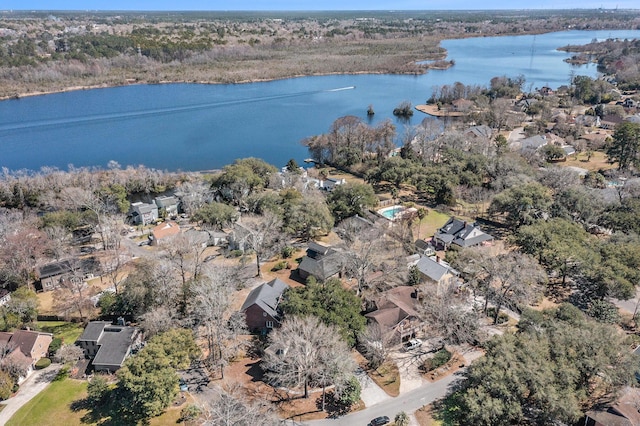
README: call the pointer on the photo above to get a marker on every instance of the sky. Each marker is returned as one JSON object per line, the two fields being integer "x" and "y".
{"x": 311, "y": 4}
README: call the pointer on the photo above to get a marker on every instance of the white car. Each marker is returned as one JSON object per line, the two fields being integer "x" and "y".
{"x": 412, "y": 344}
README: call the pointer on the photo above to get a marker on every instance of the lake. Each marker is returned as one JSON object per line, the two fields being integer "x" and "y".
{"x": 203, "y": 127}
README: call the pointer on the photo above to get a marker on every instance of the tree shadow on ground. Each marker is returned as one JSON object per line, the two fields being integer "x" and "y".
{"x": 333, "y": 406}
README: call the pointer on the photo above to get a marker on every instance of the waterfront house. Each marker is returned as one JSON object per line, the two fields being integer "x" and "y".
{"x": 143, "y": 213}
{"x": 168, "y": 205}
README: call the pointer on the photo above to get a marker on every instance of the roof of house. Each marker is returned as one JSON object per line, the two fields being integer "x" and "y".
{"x": 67, "y": 266}
{"x": 322, "y": 267}
{"x": 114, "y": 345}
{"x": 25, "y": 340}
{"x": 266, "y": 296}
{"x": 143, "y": 208}
{"x": 394, "y": 305}
{"x": 623, "y": 413}
{"x": 93, "y": 330}
{"x": 165, "y": 230}
{"x": 166, "y": 200}
{"x": 434, "y": 268}
{"x": 5, "y": 336}
{"x": 480, "y": 131}
{"x": 316, "y": 249}
{"x": 461, "y": 233}
{"x": 321, "y": 261}
{"x": 533, "y": 142}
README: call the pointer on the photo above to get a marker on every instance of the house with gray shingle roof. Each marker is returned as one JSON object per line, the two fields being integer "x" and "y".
{"x": 108, "y": 345}
{"x": 321, "y": 262}
{"x": 261, "y": 306}
{"x": 436, "y": 271}
{"x": 460, "y": 233}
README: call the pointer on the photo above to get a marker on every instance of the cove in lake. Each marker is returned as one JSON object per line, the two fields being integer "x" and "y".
{"x": 202, "y": 127}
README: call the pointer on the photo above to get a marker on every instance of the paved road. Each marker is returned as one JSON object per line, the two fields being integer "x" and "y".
{"x": 408, "y": 402}
{"x": 28, "y": 389}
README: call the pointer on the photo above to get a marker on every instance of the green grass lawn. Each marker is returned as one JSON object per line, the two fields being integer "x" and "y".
{"x": 67, "y": 331}
{"x": 428, "y": 226}
{"x": 52, "y": 406}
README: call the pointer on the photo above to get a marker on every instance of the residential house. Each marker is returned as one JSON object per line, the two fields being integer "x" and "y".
{"x": 160, "y": 233}
{"x": 329, "y": 184}
{"x": 533, "y": 143}
{"x": 108, "y": 345}
{"x": 610, "y": 121}
{"x": 261, "y": 306}
{"x": 624, "y": 412}
{"x": 425, "y": 248}
{"x": 479, "y": 132}
{"x": 395, "y": 312}
{"x": 143, "y": 213}
{"x": 321, "y": 262}
{"x": 168, "y": 205}
{"x": 460, "y": 233}
{"x": 588, "y": 120}
{"x": 240, "y": 236}
{"x": 436, "y": 271}
{"x": 53, "y": 275}
{"x": 24, "y": 348}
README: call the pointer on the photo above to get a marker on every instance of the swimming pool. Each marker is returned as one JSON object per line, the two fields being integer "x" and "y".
{"x": 392, "y": 212}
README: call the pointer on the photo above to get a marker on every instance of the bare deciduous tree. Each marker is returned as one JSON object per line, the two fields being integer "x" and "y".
{"x": 69, "y": 353}
{"x": 263, "y": 236}
{"x": 212, "y": 316}
{"x": 228, "y": 407}
{"x": 304, "y": 351}
{"x": 376, "y": 343}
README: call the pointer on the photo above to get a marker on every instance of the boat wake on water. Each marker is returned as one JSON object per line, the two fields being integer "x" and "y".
{"x": 64, "y": 121}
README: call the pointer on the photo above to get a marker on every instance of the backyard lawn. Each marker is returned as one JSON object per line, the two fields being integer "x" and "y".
{"x": 428, "y": 226}
{"x": 67, "y": 331}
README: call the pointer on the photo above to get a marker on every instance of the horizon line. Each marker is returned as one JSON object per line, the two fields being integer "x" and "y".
{"x": 314, "y": 10}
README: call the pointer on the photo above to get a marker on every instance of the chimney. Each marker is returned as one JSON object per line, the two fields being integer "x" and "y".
{"x": 437, "y": 259}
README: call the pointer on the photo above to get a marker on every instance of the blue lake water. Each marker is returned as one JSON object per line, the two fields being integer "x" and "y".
{"x": 202, "y": 127}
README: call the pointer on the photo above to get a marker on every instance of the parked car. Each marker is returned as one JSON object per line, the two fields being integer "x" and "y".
{"x": 380, "y": 421}
{"x": 143, "y": 243}
{"x": 412, "y": 344}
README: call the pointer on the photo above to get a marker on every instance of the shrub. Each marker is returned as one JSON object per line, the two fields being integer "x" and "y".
{"x": 55, "y": 344}
{"x": 287, "y": 252}
{"x": 236, "y": 253}
{"x": 439, "y": 359}
{"x": 190, "y": 412}
{"x": 279, "y": 266}
{"x": 43, "y": 363}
